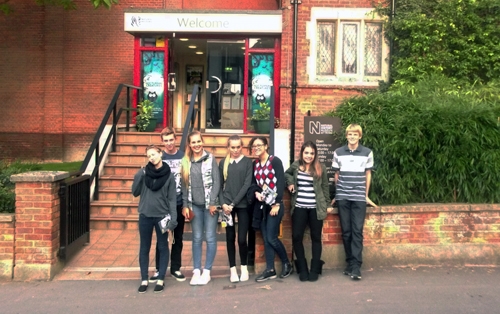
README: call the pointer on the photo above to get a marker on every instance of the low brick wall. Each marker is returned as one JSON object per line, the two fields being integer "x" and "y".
{"x": 7, "y": 229}
{"x": 407, "y": 235}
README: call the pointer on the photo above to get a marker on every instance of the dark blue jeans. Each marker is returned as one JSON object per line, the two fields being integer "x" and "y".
{"x": 177, "y": 245}
{"x": 352, "y": 218}
{"x": 270, "y": 227}
{"x": 146, "y": 226}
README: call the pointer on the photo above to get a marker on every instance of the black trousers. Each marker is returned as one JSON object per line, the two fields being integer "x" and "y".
{"x": 352, "y": 218}
{"x": 301, "y": 218}
{"x": 243, "y": 230}
{"x": 176, "y": 252}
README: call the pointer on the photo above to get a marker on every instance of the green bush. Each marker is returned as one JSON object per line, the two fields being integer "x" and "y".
{"x": 7, "y": 194}
{"x": 456, "y": 38}
{"x": 432, "y": 141}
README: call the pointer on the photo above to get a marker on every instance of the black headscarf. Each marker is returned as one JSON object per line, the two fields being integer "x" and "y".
{"x": 156, "y": 178}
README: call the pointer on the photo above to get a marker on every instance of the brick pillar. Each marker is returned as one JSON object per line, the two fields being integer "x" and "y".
{"x": 6, "y": 246}
{"x": 37, "y": 225}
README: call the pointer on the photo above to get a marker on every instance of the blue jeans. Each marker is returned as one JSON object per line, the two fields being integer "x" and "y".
{"x": 270, "y": 227}
{"x": 146, "y": 226}
{"x": 204, "y": 223}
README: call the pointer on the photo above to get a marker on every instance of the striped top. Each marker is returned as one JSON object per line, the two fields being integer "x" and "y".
{"x": 305, "y": 190}
{"x": 352, "y": 166}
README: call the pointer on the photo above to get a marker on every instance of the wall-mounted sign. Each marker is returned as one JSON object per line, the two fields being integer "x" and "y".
{"x": 320, "y": 131}
{"x": 264, "y": 22}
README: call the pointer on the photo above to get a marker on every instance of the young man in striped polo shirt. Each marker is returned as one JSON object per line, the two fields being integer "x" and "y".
{"x": 352, "y": 164}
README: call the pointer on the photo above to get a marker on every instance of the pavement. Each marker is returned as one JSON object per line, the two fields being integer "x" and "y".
{"x": 382, "y": 290}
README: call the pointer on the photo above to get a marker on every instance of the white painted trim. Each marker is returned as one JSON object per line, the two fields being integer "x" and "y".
{"x": 361, "y": 15}
{"x": 251, "y": 23}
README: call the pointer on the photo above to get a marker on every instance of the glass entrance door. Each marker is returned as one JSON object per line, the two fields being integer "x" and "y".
{"x": 225, "y": 76}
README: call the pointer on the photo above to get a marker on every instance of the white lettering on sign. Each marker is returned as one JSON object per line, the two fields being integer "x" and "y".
{"x": 318, "y": 128}
{"x": 200, "y": 23}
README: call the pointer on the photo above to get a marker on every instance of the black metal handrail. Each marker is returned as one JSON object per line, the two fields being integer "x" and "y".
{"x": 94, "y": 147}
{"x": 190, "y": 118}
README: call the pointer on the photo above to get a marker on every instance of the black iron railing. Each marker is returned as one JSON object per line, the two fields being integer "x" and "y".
{"x": 74, "y": 194}
{"x": 95, "y": 148}
{"x": 191, "y": 117}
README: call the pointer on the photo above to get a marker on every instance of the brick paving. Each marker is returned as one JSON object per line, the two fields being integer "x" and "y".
{"x": 114, "y": 254}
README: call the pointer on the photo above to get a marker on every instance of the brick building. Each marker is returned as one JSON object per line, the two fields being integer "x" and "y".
{"x": 61, "y": 68}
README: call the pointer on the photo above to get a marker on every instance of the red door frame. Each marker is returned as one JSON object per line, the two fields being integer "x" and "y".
{"x": 276, "y": 50}
{"x": 137, "y": 71}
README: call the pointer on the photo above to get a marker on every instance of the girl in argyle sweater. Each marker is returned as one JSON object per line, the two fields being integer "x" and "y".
{"x": 269, "y": 177}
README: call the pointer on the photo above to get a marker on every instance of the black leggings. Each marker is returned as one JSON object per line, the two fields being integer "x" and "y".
{"x": 301, "y": 218}
{"x": 243, "y": 231}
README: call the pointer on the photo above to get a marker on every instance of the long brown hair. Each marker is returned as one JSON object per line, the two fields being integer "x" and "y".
{"x": 315, "y": 167}
{"x": 188, "y": 155}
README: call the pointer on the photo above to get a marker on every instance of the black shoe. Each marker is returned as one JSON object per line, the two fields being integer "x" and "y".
{"x": 287, "y": 270}
{"x": 143, "y": 288}
{"x": 348, "y": 270}
{"x": 266, "y": 275}
{"x": 159, "y": 288}
{"x": 178, "y": 276}
{"x": 154, "y": 278}
{"x": 356, "y": 273}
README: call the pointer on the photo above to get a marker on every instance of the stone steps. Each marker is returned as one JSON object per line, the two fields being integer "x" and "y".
{"x": 116, "y": 208}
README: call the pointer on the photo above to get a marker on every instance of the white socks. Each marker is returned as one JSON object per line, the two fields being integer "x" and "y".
{"x": 234, "y": 275}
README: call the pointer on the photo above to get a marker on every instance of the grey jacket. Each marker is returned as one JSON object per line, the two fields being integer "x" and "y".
{"x": 321, "y": 189}
{"x": 156, "y": 203}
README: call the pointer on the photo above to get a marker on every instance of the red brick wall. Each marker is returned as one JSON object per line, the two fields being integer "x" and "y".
{"x": 420, "y": 234}
{"x": 61, "y": 68}
{"x": 322, "y": 98}
{"x": 7, "y": 223}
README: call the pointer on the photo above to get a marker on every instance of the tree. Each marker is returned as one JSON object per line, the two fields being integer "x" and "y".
{"x": 456, "y": 38}
{"x": 66, "y": 4}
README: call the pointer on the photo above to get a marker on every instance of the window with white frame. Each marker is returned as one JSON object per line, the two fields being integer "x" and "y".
{"x": 347, "y": 47}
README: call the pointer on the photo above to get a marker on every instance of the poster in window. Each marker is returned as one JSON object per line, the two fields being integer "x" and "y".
{"x": 194, "y": 75}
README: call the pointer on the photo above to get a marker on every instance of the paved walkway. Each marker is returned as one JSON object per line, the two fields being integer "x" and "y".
{"x": 382, "y": 290}
{"x": 114, "y": 254}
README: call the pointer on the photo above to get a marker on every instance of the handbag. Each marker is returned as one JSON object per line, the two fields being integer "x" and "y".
{"x": 190, "y": 214}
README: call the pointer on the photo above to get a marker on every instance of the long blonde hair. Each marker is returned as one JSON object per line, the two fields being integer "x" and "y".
{"x": 188, "y": 155}
{"x": 228, "y": 156}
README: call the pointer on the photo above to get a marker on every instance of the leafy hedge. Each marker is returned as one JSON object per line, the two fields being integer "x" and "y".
{"x": 432, "y": 142}
{"x": 7, "y": 194}
{"x": 456, "y": 38}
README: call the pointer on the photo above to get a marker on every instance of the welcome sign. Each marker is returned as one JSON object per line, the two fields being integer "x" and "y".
{"x": 264, "y": 22}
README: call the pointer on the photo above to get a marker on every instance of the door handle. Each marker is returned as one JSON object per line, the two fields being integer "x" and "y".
{"x": 220, "y": 84}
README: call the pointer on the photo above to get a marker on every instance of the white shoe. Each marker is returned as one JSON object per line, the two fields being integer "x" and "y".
{"x": 195, "y": 280}
{"x": 234, "y": 275}
{"x": 244, "y": 273}
{"x": 205, "y": 277}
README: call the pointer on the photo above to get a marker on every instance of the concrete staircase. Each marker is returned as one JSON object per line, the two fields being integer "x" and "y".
{"x": 116, "y": 208}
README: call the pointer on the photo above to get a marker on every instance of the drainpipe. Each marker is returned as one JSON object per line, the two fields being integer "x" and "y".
{"x": 294, "y": 76}
{"x": 391, "y": 43}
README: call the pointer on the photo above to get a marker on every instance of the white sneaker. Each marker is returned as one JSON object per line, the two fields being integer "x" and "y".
{"x": 234, "y": 275}
{"x": 205, "y": 277}
{"x": 244, "y": 273}
{"x": 195, "y": 280}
